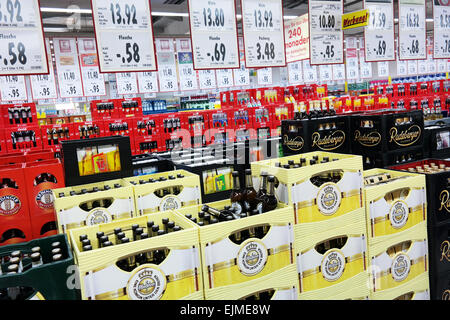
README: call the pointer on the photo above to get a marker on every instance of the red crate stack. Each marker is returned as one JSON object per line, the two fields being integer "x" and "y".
{"x": 147, "y": 134}
{"x": 23, "y": 138}
{"x": 129, "y": 108}
{"x": 34, "y": 156}
{"x": 40, "y": 178}
{"x": 19, "y": 114}
{"x": 3, "y": 148}
{"x": 88, "y": 129}
{"x": 221, "y": 126}
{"x": 242, "y": 124}
{"x": 14, "y": 212}
{"x": 105, "y": 109}
{"x": 54, "y": 134}
{"x": 197, "y": 124}
{"x": 174, "y": 131}
{"x": 281, "y": 112}
{"x": 120, "y": 127}
{"x": 262, "y": 121}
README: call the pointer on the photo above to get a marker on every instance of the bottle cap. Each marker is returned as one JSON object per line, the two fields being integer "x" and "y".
{"x": 125, "y": 240}
{"x": 235, "y": 174}
{"x": 171, "y": 224}
{"x": 120, "y": 235}
{"x": 107, "y": 244}
{"x": 85, "y": 242}
{"x": 165, "y": 221}
{"x": 57, "y": 257}
{"x": 248, "y": 171}
{"x": 35, "y": 249}
{"x": 201, "y": 224}
{"x": 35, "y": 257}
{"x": 176, "y": 228}
{"x": 56, "y": 244}
{"x": 150, "y": 224}
{"x": 117, "y": 230}
{"x": 144, "y": 236}
{"x": 103, "y": 239}
{"x": 161, "y": 232}
{"x": 100, "y": 234}
{"x": 83, "y": 237}
{"x": 134, "y": 227}
{"x": 87, "y": 248}
{"x": 155, "y": 228}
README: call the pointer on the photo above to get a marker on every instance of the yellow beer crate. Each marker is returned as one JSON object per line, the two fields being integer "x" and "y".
{"x": 394, "y": 206}
{"x": 397, "y": 262}
{"x": 333, "y": 263}
{"x": 80, "y": 206}
{"x": 102, "y": 272}
{"x": 318, "y": 207}
{"x": 417, "y": 289}
{"x": 231, "y": 267}
{"x": 170, "y": 194}
{"x": 352, "y": 294}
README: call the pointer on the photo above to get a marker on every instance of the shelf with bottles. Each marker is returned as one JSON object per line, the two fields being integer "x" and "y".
{"x": 18, "y": 115}
{"x": 147, "y": 126}
{"x": 37, "y": 270}
{"x": 195, "y": 102}
{"x": 89, "y": 130}
{"x": 150, "y": 107}
{"x": 129, "y": 108}
{"x": 197, "y": 122}
{"x": 105, "y": 109}
{"x": 229, "y": 241}
{"x": 95, "y": 203}
{"x": 162, "y": 248}
{"x": 53, "y": 134}
{"x": 373, "y": 160}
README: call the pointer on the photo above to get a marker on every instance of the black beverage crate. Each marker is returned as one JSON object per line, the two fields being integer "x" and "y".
{"x": 145, "y": 164}
{"x": 378, "y": 159}
{"x": 323, "y": 134}
{"x": 437, "y": 141}
{"x": 440, "y": 287}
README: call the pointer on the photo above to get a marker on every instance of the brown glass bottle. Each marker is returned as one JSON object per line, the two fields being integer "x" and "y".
{"x": 237, "y": 196}
{"x": 250, "y": 200}
{"x": 269, "y": 201}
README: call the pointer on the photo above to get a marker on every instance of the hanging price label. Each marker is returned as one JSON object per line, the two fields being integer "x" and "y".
{"x": 338, "y": 72}
{"x": 379, "y": 34}
{"x": 188, "y": 76}
{"x": 264, "y": 76}
{"x": 147, "y": 82}
{"x": 13, "y": 88}
{"x": 225, "y": 78}
{"x": 441, "y": 17}
{"x": 207, "y": 79}
{"x": 126, "y": 83}
{"x": 325, "y": 30}
{"x": 43, "y": 87}
{"x": 23, "y": 47}
{"x": 124, "y": 33}
{"x": 325, "y": 72}
{"x": 263, "y": 28}
{"x": 93, "y": 81}
{"x": 412, "y": 30}
{"x": 167, "y": 72}
{"x": 214, "y": 34}
{"x": 365, "y": 67}
{"x": 441, "y": 65}
{"x": 422, "y": 67}
{"x": 383, "y": 69}
{"x": 241, "y": 76}
{"x": 402, "y": 68}
{"x": 295, "y": 73}
{"x": 309, "y": 72}
{"x": 412, "y": 67}
{"x": 68, "y": 68}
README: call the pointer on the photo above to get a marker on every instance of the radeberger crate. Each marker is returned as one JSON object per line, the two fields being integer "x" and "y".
{"x": 104, "y": 276}
{"x": 395, "y": 203}
{"x": 167, "y": 191}
{"x": 440, "y": 286}
{"x": 92, "y": 204}
{"x": 333, "y": 263}
{"x": 324, "y": 195}
{"x": 233, "y": 268}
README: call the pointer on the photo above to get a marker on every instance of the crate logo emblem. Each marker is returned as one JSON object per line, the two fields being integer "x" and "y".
{"x": 295, "y": 144}
{"x": 445, "y": 248}
{"x": 371, "y": 139}
{"x": 9, "y": 205}
{"x": 398, "y": 214}
{"x": 252, "y": 257}
{"x": 401, "y": 265}
{"x": 44, "y": 199}
{"x": 330, "y": 142}
{"x": 445, "y": 200}
{"x": 406, "y": 137}
{"x": 170, "y": 203}
{"x": 329, "y": 199}
{"x": 333, "y": 265}
{"x": 446, "y": 295}
{"x": 146, "y": 283}
{"x": 98, "y": 216}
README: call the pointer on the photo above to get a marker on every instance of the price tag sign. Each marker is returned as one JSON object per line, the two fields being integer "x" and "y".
{"x": 431, "y": 65}
{"x": 126, "y": 83}
{"x": 325, "y": 31}
{"x": 441, "y": 65}
{"x": 339, "y": 72}
{"x": 263, "y": 29}
{"x": 68, "y": 68}
{"x": 295, "y": 73}
{"x": 43, "y": 87}
{"x": 207, "y": 79}
{"x": 214, "y": 34}
{"x": 167, "y": 72}
{"x": 93, "y": 81}
{"x": 147, "y": 82}
{"x": 412, "y": 67}
{"x": 402, "y": 68}
{"x": 124, "y": 33}
{"x": 379, "y": 34}
{"x": 225, "y": 78}
{"x": 325, "y": 72}
{"x": 13, "y": 88}
{"x": 296, "y": 33}
{"x": 188, "y": 76}
{"x": 365, "y": 67}
{"x": 352, "y": 60}
{"x": 412, "y": 30}
{"x": 309, "y": 72}
{"x": 441, "y": 17}
{"x": 383, "y": 69}
{"x": 23, "y": 47}
{"x": 265, "y": 76}
{"x": 241, "y": 76}
{"x": 422, "y": 67}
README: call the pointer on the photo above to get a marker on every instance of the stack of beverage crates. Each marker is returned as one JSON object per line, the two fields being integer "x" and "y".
{"x": 26, "y": 201}
{"x": 326, "y": 192}
{"x": 438, "y": 187}
{"x": 396, "y": 206}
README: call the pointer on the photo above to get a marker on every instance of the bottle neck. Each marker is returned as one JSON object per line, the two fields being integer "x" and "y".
{"x": 264, "y": 183}
{"x": 248, "y": 181}
{"x": 236, "y": 184}
{"x": 271, "y": 189}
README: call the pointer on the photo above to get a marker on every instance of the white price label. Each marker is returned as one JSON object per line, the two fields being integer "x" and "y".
{"x": 422, "y": 67}
{"x": 431, "y": 65}
{"x": 225, "y": 78}
{"x": 167, "y": 72}
{"x": 93, "y": 81}
{"x": 241, "y": 76}
{"x": 147, "y": 82}
{"x": 379, "y": 34}
{"x": 214, "y": 34}
{"x": 124, "y": 33}
{"x": 412, "y": 67}
{"x": 188, "y": 76}
{"x": 309, "y": 72}
{"x": 43, "y": 87}
{"x": 207, "y": 79}
{"x": 325, "y": 72}
{"x": 263, "y": 28}
{"x": 295, "y": 73}
{"x": 23, "y": 47}
{"x": 68, "y": 68}
{"x": 383, "y": 69}
{"x": 412, "y": 30}
{"x": 352, "y": 64}
{"x": 326, "y": 36}
{"x": 441, "y": 65}
{"x": 264, "y": 76}
{"x": 441, "y": 17}
{"x": 126, "y": 83}
{"x": 402, "y": 68}
{"x": 296, "y": 33}
{"x": 13, "y": 88}
{"x": 365, "y": 67}
{"x": 338, "y": 72}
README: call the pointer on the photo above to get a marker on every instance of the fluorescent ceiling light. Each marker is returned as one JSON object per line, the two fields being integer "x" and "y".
{"x": 62, "y": 10}
{"x": 169, "y": 14}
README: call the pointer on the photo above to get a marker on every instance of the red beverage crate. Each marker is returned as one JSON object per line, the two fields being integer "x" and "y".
{"x": 147, "y": 144}
{"x": 105, "y": 109}
{"x": 33, "y": 156}
{"x": 18, "y": 114}
{"x": 129, "y": 108}
{"x": 281, "y": 112}
{"x": 120, "y": 127}
{"x": 88, "y": 130}
{"x": 12, "y": 232}
{"x": 54, "y": 134}
{"x": 23, "y": 138}
{"x": 262, "y": 121}
{"x": 3, "y": 148}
